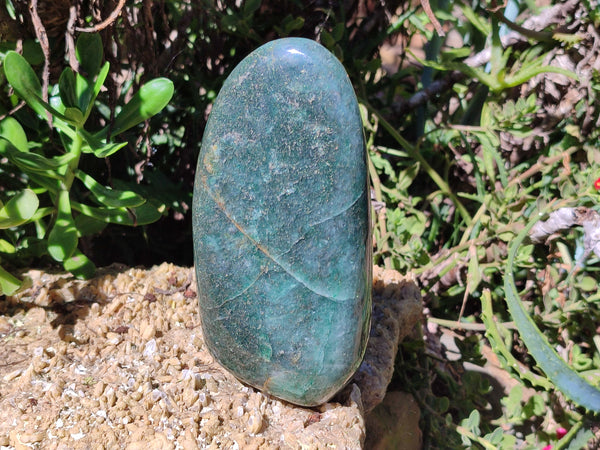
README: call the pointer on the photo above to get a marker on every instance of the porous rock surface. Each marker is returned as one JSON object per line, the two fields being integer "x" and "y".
{"x": 119, "y": 362}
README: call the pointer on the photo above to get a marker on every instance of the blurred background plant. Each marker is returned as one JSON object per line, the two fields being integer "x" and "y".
{"x": 480, "y": 118}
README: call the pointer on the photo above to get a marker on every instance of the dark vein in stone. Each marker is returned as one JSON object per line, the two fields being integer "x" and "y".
{"x": 221, "y": 206}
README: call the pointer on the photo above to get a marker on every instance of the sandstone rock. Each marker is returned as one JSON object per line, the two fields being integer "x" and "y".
{"x": 166, "y": 388}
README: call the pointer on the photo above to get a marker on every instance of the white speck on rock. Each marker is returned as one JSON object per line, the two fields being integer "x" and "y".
{"x": 77, "y": 436}
{"x": 240, "y": 411}
{"x": 150, "y": 348}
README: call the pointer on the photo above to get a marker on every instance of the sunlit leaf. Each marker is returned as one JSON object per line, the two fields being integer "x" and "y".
{"x": 19, "y": 209}
{"x": 571, "y": 384}
{"x": 32, "y": 161}
{"x": 6, "y": 247}
{"x": 80, "y": 265}
{"x": 62, "y": 240}
{"x": 148, "y": 101}
{"x": 474, "y": 272}
{"x": 88, "y": 91}
{"x": 110, "y": 197}
{"x": 141, "y": 215}
{"x": 9, "y": 284}
{"x": 12, "y": 131}
{"x": 24, "y": 81}
{"x": 98, "y": 148}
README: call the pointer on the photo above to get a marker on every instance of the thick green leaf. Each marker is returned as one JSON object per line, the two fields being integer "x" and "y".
{"x": 6, "y": 247}
{"x": 67, "y": 89}
{"x": 8, "y": 283}
{"x": 12, "y": 131}
{"x": 526, "y": 73}
{"x": 83, "y": 90}
{"x": 99, "y": 82}
{"x": 55, "y": 112}
{"x": 49, "y": 183}
{"x": 109, "y": 149}
{"x": 87, "y": 91}
{"x": 19, "y": 209}
{"x": 141, "y": 215}
{"x": 97, "y": 147}
{"x": 41, "y": 213}
{"x": 24, "y": 81}
{"x": 477, "y": 21}
{"x": 87, "y": 226}
{"x": 32, "y": 162}
{"x": 62, "y": 240}
{"x": 110, "y": 197}
{"x": 571, "y": 384}
{"x": 80, "y": 266}
{"x": 505, "y": 357}
{"x": 148, "y": 101}
{"x": 89, "y": 53}
{"x": 75, "y": 116}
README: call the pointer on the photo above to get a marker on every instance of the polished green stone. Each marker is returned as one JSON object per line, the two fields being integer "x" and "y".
{"x": 281, "y": 224}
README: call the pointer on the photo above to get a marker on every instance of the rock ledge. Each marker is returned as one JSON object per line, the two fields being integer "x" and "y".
{"x": 119, "y": 361}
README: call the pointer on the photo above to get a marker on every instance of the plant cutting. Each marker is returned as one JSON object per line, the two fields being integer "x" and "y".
{"x": 62, "y": 201}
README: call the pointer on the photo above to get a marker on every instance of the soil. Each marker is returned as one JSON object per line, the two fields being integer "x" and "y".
{"x": 119, "y": 362}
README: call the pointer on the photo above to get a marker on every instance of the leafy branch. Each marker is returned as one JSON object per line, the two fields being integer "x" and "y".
{"x": 52, "y": 177}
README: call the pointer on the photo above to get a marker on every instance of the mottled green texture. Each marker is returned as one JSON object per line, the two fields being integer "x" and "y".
{"x": 281, "y": 224}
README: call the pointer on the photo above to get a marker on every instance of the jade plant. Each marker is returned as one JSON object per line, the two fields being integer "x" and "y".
{"x": 60, "y": 213}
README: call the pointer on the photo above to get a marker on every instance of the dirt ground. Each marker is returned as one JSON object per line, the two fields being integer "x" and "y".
{"x": 119, "y": 362}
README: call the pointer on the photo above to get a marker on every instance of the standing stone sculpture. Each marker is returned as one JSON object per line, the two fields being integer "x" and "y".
{"x": 281, "y": 224}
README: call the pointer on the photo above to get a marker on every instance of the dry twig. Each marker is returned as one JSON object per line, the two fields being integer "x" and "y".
{"x": 105, "y": 23}
{"x": 40, "y": 32}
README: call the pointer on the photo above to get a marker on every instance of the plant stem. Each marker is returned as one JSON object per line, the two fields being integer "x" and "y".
{"x": 567, "y": 438}
{"x": 481, "y": 441}
{"x": 414, "y": 154}
{"x": 453, "y": 324}
{"x": 75, "y": 148}
{"x": 385, "y": 248}
{"x": 541, "y": 36}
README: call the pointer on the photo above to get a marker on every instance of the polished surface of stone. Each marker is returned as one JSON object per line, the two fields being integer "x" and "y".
{"x": 281, "y": 224}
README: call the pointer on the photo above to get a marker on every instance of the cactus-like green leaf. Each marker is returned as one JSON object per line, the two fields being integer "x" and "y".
{"x": 19, "y": 209}
{"x": 62, "y": 240}
{"x": 110, "y": 197}
{"x": 556, "y": 369}
{"x": 148, "y": 101}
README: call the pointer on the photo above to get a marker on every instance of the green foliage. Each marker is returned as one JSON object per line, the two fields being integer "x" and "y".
{"x": 465, "y": 152}
{"x": 52, "y": 201}
{"x": 557, "y": 370}
{"x": 458, "y": 189}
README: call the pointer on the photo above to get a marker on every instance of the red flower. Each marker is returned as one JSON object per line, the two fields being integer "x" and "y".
{"x": 560, "y": 431}
{"x": 597, "y": 184}
{"x": 547, "y": 447}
